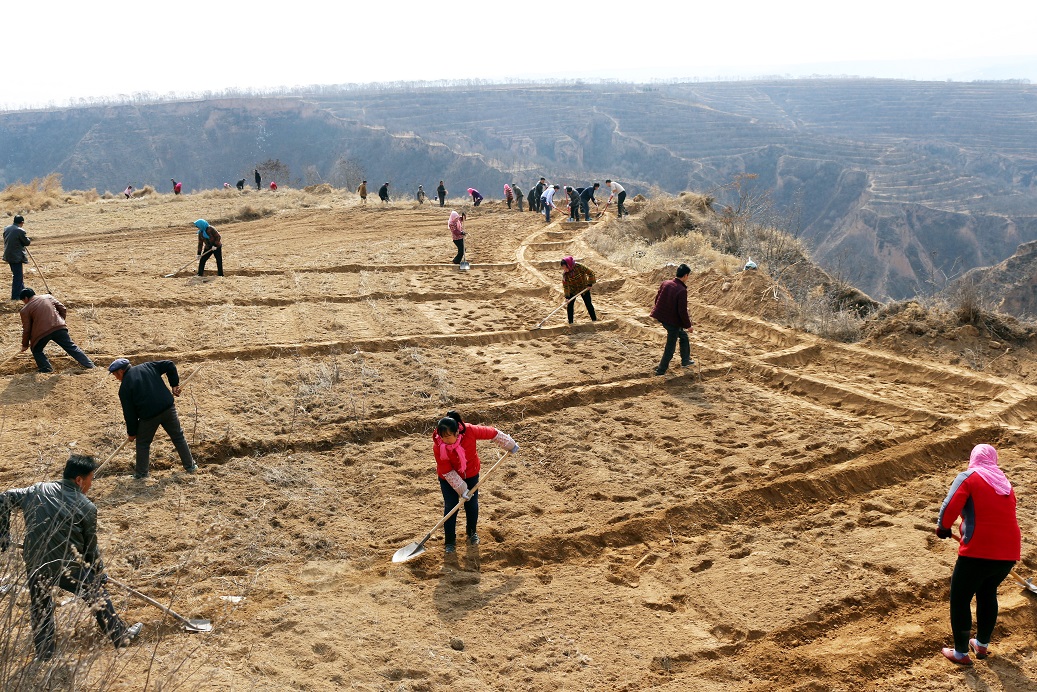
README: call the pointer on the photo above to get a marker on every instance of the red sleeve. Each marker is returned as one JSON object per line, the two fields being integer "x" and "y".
{"x": 480, "y": 432}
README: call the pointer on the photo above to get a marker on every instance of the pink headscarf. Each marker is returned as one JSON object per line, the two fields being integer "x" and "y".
{"x": 569, "y": 263}
{"x": 983, "y": 461}
{"x": 443, "y": 450}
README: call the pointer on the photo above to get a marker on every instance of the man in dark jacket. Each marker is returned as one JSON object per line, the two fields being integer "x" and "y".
{"x": 43, "y": 321}
{"x": 259, "y": 178}
{"x": 60, "y": 549}
{"x": 538, "y": 192}
{"x": 147, "y": 404}
{"x": 383, "y": 193}
{"x": 671, "y": 309}
{"x": 586, "y": 197}
{"x": 15, "y": 254}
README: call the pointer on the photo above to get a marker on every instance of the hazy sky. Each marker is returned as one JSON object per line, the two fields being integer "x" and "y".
{"x": 65, "y": 50}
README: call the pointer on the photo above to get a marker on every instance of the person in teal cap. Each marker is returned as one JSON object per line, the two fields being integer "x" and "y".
{"x": 209, "y": 243}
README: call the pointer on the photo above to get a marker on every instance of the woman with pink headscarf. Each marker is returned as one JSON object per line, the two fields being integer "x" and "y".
{"x": 990, "y": 545}
{"x": 457, "y": 465}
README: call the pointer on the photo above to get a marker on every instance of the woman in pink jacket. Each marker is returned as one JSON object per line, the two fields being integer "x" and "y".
{"x": 989, "y": 547}
{"x": 456, "y": 226}
{"x": 457, "y": 465}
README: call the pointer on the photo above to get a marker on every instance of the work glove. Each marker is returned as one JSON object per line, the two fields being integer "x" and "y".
{"x": 467, "y": 494}
{"x": 943, "y": 533}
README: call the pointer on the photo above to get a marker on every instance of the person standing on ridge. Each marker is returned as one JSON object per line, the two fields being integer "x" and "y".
{"x": 508, "y": 195}
{"x": 15, "y": 254}
{"x": 176, "y": 187}
{"x": 547, "y": 201}
{"x": 441, "y": 192}
{"x": 574, "y": 203}
{"x": 518, "y": 196}
{"x": 616, "y": 190}
{"x": 148, "y": 404}
{"x": 259, "y": 179}
{"x": 383, "y": 193}
{"x": 671, "y": 310}
{"x": 362, "y": 191}
{"x": 421, "y": 195}
{"x": 60, "y": 550}
{"x": 586, "y": 197}
{"x": 989, "y": 546}
{"x": 43, "y": 321}
{"x": 457, "y": 233}
{"x": 539, "y": 190}
{"x": 210, "y": 242}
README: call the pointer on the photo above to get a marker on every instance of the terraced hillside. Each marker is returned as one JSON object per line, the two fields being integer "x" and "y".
{"x": 760, "y": 521}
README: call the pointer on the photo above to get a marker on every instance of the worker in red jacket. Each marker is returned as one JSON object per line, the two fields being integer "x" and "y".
{"x": 457, "y": 465}
{"x": 671, "y": 309}
{"x": 989, "y": 547}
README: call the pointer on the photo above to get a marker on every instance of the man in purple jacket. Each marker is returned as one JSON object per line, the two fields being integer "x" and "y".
{"x": 671, "y": 309}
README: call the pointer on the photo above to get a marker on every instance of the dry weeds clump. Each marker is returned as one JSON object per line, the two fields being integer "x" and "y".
{"x": 37, "y": 195}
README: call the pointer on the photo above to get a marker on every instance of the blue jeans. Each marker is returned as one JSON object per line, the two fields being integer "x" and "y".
{"x": 17, "y": 283}
{"x": 62, "y": 339}
{"x": 674, "y": 334}
{"x": 547, "y": 212}
{"x": 471, "y": 510}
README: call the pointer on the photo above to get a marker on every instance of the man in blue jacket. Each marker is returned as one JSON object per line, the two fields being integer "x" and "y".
{"x": 147, "y": 404}
{"x": 586, "y": 197}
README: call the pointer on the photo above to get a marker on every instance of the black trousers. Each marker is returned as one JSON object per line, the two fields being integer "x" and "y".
{"x": 471, "y": 510}
{"x": 218, "y": 254}
{"x": 442, "y": 198}
{"x": 84, "y": 583}
{"x": 977, "y": 577}
{"x": 620, "y": 198}
{"x": 17, "y": 280}
{"x": 674, "y": 334}
{"x": 146, "y": 430}
{"x": 586, "y": 301}
{"x": 460, "y": 251}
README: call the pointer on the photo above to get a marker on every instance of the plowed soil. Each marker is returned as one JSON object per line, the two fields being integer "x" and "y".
{"x": 760, "y": 521}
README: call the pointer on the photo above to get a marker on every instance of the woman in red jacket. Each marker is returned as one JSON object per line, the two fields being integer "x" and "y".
{"x": 990, "y": 547}
{"x": 457, "y": 464}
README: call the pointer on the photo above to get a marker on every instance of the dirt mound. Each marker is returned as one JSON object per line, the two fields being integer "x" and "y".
{"x": 751, "y": 292}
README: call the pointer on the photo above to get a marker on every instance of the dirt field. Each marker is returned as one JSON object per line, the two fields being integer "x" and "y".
{"x": 762, "y": 521}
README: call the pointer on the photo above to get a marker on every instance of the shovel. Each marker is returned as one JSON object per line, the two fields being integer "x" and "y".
{"x": 465, "y": 264}
{"x": 413, "y": 550}
{"x": 561, "y": 306}
{"x": 196, "y": 259}
{"x": 1025, "y": 583}
{"x": 42, "y": 277}
{"x": 190, "y": 625}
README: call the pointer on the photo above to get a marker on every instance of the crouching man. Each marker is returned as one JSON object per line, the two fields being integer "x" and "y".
{"x": 61, "y": 550}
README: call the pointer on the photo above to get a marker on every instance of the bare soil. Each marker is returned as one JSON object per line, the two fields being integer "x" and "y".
{"x": 760, "y": 521}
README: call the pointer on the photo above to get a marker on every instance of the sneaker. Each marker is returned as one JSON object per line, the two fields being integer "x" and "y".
{"x": 657, "y": 371}
{"x": 980, "y": 651}
{"x": 193, "y": 468}
{"x": 139, "y": 476}
{"x": 686, "y": 363}
{"x": 949, "y": 654}
{"x": 449, "y": 548}
{"x": 129, "y": 635}
{"x": 473, "y": 539}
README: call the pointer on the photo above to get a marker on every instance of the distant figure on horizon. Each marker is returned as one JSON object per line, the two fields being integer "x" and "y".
{"x": 273, "y": 186}
{"x": 518, "y": 195}
{"x": 476, "y": 197}
{"x": 508, "y": 195}
{"x": 259, "y": 179}
{"x": 383, "y": 193}
{"x": 616, "y": 190}
{"x": 128, "y": 191}
{"x": 176, "y": 187}
{"x": 362, "y": 191}
{"x": 441, "y": 192}
{"x": 421, "y": 195}
{"x": 241, "y": 185}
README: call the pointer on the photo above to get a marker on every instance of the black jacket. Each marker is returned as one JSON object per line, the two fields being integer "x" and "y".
{"x": 15, "y": 242}
{"x": 60, "y": 527}
{"x": 143, "y": 394}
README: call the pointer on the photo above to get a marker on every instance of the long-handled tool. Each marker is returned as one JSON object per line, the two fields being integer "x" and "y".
{"x": 413, "y": 550}
{"x": 190, "y": 625}
{"x": 1025, "y": 583}
{"x": 602, "y": 212}
{"x": 465, "y": 264}
{"x": 42, "y": 277}
{"x": 196, "y": 259}
{"x": 9, "y": 358}
{"x": 561, "y": 306}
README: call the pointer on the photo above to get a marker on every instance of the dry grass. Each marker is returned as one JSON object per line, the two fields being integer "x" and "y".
{"x": 37, "y": 195}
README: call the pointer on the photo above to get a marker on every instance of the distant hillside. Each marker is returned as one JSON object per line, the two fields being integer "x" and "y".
{"x": 896, "y": 185}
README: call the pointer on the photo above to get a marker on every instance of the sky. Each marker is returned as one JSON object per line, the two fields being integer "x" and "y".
{"x": 61, "y": 51}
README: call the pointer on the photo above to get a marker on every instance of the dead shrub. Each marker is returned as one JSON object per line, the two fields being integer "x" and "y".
{"x": 37, "y": 195}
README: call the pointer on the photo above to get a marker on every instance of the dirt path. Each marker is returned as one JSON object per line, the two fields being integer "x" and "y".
{"x": 761, "y": 521}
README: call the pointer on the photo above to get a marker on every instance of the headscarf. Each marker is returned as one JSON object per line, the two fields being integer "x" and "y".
{"x": 983, "y": 461}
{"x": 569, "y": 263}
{"x": 202, "y": 225}
{"x": 442, "y": 451}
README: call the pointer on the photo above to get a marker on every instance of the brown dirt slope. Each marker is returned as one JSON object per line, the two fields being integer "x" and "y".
{"x": 762, "y": 521}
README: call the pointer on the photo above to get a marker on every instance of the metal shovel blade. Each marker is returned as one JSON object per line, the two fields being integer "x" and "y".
{"x": 197, "y": 625}
{"x": 409, "y": 552}
{"x": 1025, "y": 583}
{"x": 465, "y": 265}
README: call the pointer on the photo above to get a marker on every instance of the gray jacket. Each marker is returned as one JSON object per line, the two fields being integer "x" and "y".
{"x": 15, "y": 242}
{"x": 60, "y": 527}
